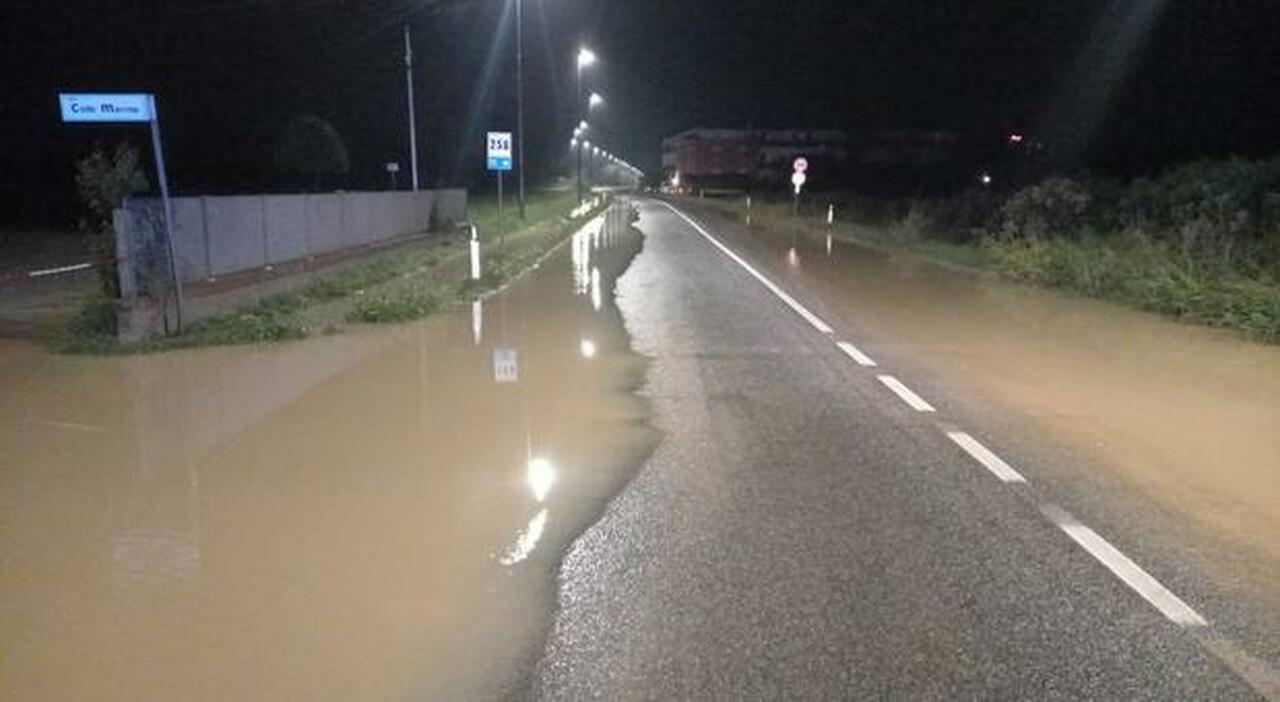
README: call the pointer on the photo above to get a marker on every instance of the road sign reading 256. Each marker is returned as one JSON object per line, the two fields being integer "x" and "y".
{"x": 499, "y": 151}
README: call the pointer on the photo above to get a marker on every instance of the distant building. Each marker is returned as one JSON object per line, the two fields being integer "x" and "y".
{"x": 744, "y": 159}
{"x": 907, "y": 147}
{"x": 889, "y": 162}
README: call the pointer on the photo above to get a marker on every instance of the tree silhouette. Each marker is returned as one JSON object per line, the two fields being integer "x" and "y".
{"x": 312, "y": 148}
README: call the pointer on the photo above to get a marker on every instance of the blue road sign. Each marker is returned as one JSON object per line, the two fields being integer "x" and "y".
{"x": 499, "y": 151}
{"x": 106, "y": 107}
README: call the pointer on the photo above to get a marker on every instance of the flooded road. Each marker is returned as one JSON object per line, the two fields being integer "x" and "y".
{"x": 376, "y": 515}
{"x": 1188, "y": 415}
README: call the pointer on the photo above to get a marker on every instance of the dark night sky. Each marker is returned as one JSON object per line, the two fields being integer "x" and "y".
{"x": 1205, "y": 81}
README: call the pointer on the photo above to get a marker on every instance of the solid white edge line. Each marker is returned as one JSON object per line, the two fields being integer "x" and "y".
{"x": 62, "y": 269}
{"x": 852, "y": 351}
{"x": 986, "y": 457}
{"x": 1141, "y": 582}
{"x": 915, "y": 401}
{"x": 791, "y": 302}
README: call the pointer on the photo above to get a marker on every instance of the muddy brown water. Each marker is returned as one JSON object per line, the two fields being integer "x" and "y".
{"x": 1186, "y": 414}
{"x": 375, "y": 515}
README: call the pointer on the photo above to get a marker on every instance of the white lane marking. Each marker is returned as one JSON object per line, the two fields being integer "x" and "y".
{"x": 791, "y": 302}
{"x": 62, "y": 269}
{"x": 1135, "y": 577}
{"x": 983, "y": 455}
{"x": 853, "y": 352}
{"x": 915, "y": 401}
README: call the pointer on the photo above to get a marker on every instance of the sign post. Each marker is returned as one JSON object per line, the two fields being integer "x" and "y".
{"x": 499, "y": 161}
{"x": 131, "y": 107}
{"x": 798, "y": 178}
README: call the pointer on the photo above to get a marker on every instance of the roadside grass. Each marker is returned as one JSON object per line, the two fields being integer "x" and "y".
{"x": 1145, "y": 276}
{"x": 1127, "y": 268}
{"x": 396, "y": 287}
{"x": 401, "y": 306}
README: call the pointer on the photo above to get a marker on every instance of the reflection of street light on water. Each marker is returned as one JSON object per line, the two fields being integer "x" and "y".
{"x": 540, "y": 475}
{"x": 527, "y": 541}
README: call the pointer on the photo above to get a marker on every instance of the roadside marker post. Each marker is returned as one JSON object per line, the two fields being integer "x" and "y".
{"x": 393, "y": 171}
{"x": 798, "y": 178}
{"x": 475, "y": 253}
{"x": 113, "y": 108}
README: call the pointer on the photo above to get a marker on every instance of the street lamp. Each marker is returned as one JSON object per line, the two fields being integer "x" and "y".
{"x": 594, "y": 101}
{"x": 413, "y": 127}
{"x": 520, "y": 99}
{"x": 585, "y": 58}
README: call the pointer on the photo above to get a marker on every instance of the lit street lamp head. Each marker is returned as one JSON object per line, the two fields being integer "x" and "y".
{"x": 585, "y": 58}
{"x": 595, "y": 100}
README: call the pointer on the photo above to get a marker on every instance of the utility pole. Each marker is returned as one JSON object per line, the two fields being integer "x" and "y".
{"x": 413, "y": 128}
{"x": 581, "y": 118}
{"x": 520, "y": 99}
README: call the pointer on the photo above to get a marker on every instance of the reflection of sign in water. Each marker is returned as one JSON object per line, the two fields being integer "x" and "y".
{"x": 506, "y": 366}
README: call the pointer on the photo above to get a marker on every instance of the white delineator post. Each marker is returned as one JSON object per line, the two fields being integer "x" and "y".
{"x": 475, "y": 254}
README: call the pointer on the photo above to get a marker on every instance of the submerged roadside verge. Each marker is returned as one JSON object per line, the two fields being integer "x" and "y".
{"x": 406, "y": 283}
{"x": 379, "y": 514}
{"x": 1131, "y": 267}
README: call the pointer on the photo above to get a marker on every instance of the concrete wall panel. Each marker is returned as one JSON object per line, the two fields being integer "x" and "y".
{"x": 424, "y": 210}
{"x": 286, "y": 228}
{"x": 190, "y": 247}
{"x": 451, "y": 206}
{"x": 237, "y": 237}
{"x": 324, "y": 223}
{"x": 355, "y": 219}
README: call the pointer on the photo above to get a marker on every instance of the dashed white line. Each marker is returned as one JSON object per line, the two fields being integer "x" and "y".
{"x": 1129, "y": 572}
{"x": 791, "y": 302}
{"x": 984, "y": 456}
{"x": 1135, "y": 577}
{"x": 915, "y": 401}
{"x": 853, "y": 352}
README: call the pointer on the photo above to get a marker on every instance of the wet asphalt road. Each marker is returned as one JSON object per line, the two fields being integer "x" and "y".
{"x": 801, "y": 532}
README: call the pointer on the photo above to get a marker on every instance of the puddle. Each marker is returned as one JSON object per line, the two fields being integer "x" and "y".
{"x": 376, "y": 515}
{"x": 1187, "y": 414}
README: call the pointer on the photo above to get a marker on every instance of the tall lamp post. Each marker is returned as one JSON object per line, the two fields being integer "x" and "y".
{"x": 413, "y": 129}
{"x": 585, "y": 58}
{"x": 520, "y": 99}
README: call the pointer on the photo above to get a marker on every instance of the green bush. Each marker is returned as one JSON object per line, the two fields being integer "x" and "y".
{"x": 1055, "y": 207}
